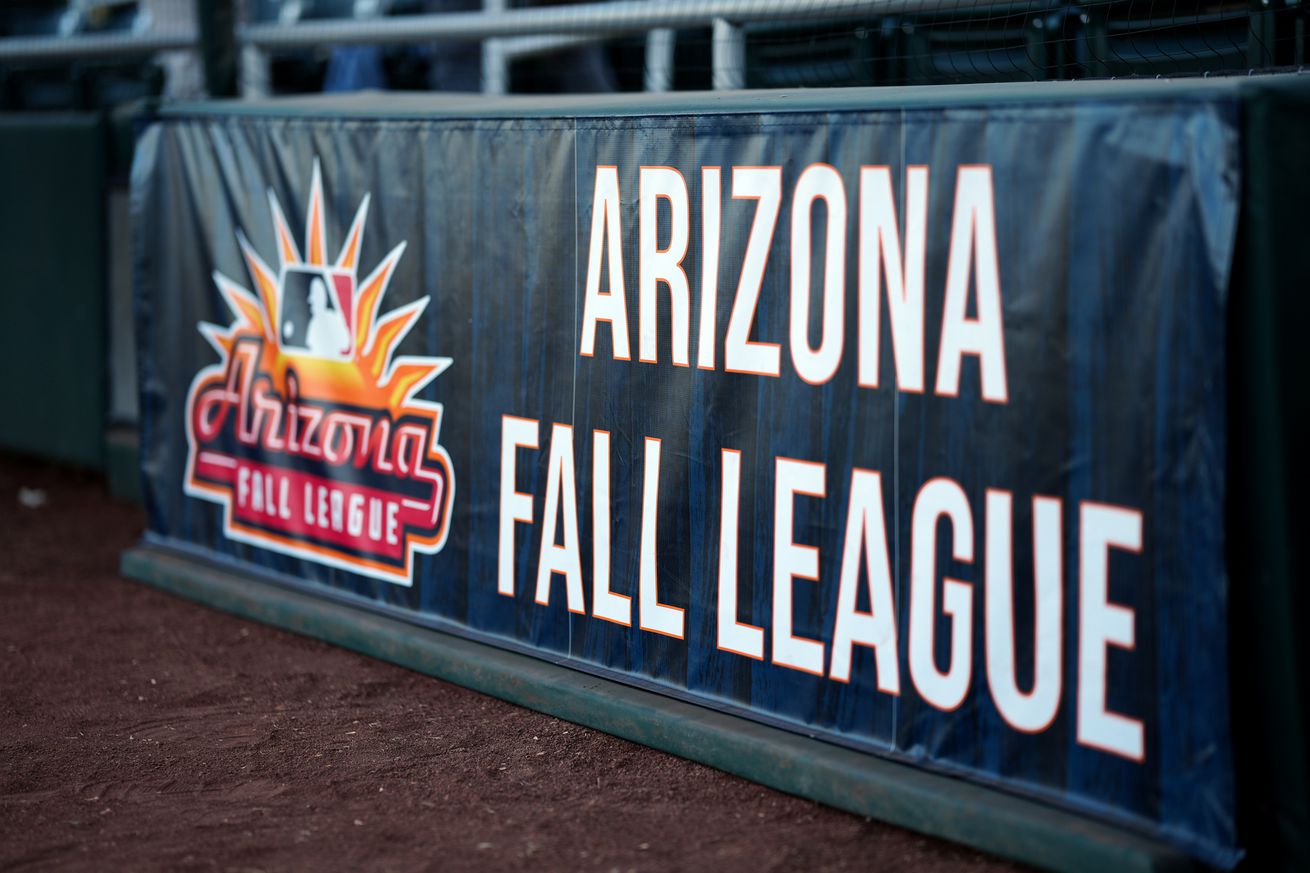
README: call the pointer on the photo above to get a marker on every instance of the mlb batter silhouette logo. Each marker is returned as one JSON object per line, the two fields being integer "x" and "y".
{"x": 313, "y": 313}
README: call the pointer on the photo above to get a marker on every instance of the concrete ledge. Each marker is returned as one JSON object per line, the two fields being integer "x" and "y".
{"x": 940, "y": 806}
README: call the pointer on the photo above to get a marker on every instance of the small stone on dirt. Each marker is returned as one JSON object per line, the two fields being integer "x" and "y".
{"x": 32, "y": 498}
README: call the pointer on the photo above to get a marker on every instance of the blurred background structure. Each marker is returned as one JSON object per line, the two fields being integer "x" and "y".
{"x": 93, "y": 54}
{"x": 104, "y": 60}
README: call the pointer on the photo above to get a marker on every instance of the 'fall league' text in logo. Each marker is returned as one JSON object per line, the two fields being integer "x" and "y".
{"x": 307, "y": 430}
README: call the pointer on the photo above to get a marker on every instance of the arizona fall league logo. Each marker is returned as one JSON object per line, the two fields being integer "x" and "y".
{"x": 307, "y": 430}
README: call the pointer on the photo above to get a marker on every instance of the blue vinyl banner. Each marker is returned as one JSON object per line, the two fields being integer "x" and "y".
{"x": 902, "y": 428}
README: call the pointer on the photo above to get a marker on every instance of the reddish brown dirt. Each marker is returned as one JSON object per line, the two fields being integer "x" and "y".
{"x": 140, "y": 731}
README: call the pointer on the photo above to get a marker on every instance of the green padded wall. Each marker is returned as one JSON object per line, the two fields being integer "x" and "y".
{"x": 52, "y": 301}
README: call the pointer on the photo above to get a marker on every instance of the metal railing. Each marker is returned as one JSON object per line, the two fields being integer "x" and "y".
{"x": 100, "y": 29}
{"x": 94, "y": 45}
{"x": 509, "y": 34}
{"x": 506, "y": 34}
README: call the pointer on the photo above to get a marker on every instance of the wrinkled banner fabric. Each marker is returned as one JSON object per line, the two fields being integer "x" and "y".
{"x": 903, "y": 429}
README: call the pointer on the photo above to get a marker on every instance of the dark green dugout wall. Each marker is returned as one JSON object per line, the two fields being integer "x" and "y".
{"x": 1269, "y": 434}
{"x": 53, "y": 337}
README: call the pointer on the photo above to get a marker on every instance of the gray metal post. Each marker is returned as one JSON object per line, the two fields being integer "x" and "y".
{"x": 728, "y": 57}
{"x": 254, "y": 73}
{"x": 659, "y": 59}
{"x": 495, "y": 68}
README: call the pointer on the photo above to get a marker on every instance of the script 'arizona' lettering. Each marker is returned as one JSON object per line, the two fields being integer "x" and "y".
{"x": 308, "y": 431}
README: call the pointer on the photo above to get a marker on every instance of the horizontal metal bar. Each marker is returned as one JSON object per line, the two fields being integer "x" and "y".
{"x": 623, "y": 16}
{"x": 49, "y": 48}
{"x": 532, "y": 46}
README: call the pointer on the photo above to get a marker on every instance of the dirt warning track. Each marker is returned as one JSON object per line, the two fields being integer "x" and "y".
{"x": 140, "y": 731}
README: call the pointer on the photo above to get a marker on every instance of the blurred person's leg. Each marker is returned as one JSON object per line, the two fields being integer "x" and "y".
{"x": 355, "y": 68}
{"x": 582, "y": 70}
{"x": 585, "y": 70}
{"x": 455, "y": 66}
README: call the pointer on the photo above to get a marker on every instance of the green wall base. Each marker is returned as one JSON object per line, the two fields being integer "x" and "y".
{"x": 932, "y": 804}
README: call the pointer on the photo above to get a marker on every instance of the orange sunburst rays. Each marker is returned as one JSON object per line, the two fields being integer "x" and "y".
{"x": 369, "y": 377}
